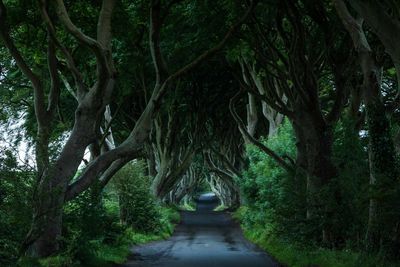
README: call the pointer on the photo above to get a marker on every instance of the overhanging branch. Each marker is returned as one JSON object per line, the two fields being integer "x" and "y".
{"x": 260, "y": 145}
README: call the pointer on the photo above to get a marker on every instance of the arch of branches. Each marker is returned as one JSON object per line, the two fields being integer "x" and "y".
{"x": 177, "y": 84}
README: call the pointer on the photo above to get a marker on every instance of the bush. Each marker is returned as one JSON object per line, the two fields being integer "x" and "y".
{"x": 101, "y": 225}
{"x": 138, "y": 207}
{"x": 274, "y": 215}
{"x": 295, "y": 254}
{"x": 93, "y": 232}
{"x": 87, "y": 226}
{"x": 276, "y": 199}
{"x": 351, "y": 158}
{"x": 272, "y": 195}
{"x": 15, "y": 206}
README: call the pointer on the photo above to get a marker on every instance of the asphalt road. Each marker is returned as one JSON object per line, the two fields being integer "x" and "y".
{"x": 204, "y": 238}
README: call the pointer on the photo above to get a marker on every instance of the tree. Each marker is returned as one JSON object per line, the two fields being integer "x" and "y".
{"x": 292, "y": 61}
{"x": 383, "y": 169}
{"x": 55, "y": 185}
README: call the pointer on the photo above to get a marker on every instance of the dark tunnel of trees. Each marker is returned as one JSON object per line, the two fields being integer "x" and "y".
{"x": 114, "y": 114}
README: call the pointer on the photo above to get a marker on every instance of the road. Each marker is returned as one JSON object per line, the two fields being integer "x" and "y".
{"x": 204, "y": 238}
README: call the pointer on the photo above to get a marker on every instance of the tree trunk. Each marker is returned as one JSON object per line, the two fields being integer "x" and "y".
{"x": 45, "y": 232}
{"x": 383, "y": 170}
{"x": 384, "y": 218}
{"x": 252, "y": 117}
{"x": 47, "y": 226}
{"x": 383, "y": 205}
{"x": 314, "y": 159}
{"x": 151, "y": 166}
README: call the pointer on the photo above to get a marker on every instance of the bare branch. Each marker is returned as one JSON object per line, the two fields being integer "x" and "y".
{"x": 104, "y": 23}
{"x": 54, "y": 94}
{"x": 81, "y": 87}
{"x": 113, "y": 169}
{"x": 103, "y": 54}
{"x": 75, "y": 31}
{"x": 227, "y": 162}
{"x": 353, "y": 26}
{"x": 227, "y": 178}
{"x": 98, "y": 167}
{"x": 5, "y": 35}
{"x": 260, "y": 145}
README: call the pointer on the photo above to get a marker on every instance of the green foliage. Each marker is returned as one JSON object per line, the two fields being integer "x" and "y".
{"x": 138, "y": 207}
{"x": 275, "y": 215}
{"x": 101, "y": 226}
{"x": 86, "y": 226}
{"x": 188, "y": 206}
{"x": 386, "y": 189}
{"x": 94, "y": 235}
{"x": 300, "y": 255}
{"x": 221, "y": 208}
{"x": 351, "y": 158}
{"x": 270, "y": 192}
{"x": 15, "y": 206}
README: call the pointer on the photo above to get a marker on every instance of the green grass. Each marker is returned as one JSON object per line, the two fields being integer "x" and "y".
{"x": 100, "y": 254}
{"x": 109, "y": 255}
{"x": 105, "y": 255}
{"x": 220, "y": 208}
{"x": 293, "y": 255}
{"x": 188, "y": 206}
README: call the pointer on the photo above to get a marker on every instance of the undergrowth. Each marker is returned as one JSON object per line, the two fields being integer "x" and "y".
{"x": 291, "y": 254}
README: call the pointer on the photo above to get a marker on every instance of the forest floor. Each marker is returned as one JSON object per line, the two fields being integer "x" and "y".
{"x": 204, "y": 238}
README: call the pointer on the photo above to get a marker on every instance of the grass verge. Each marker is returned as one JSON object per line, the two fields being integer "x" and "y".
{"x": 220, "y": 208}
{"x": 99, "y": 253}
{"x": 188, "y": 206}
{"x": 293, "y": 255}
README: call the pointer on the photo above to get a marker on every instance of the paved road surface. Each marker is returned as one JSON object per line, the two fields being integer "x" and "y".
{"x": 203, "y": 239}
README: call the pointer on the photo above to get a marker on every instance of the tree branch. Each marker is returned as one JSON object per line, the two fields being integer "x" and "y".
{"x": 260, "y": 145}
{"x": 54, "y": 94}
{"x": 227, "y": 162}
{"x": 205, "y": 55}
{"x": 154, "y": 38}
{"x": 97, "y": 167}
{"x": 40, "y": 109}
{"x": 105, "y": 70}
{"x": 81, "y": 87}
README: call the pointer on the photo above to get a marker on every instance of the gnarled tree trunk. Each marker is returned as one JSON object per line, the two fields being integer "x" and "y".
{"x": 383, "y": 221}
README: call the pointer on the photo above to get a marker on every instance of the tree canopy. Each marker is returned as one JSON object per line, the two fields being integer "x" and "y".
{"x": 287, "y": 107}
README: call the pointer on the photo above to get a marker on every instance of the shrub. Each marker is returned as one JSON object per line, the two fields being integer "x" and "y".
{"x": 276, "y": 199}
{"x": 100, "y": 225}
{"x": 15, "y": 206}
{"x": 273, "y": 195}
{"x": 138, "y": 207}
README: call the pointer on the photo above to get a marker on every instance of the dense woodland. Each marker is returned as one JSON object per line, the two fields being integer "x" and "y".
{"x": 287, "y": 110}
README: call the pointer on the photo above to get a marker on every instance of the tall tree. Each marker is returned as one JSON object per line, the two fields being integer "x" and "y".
{"x": 383, "y": 170}
{"x": 292, "y": 61}
{"x": 55, "y": 180}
